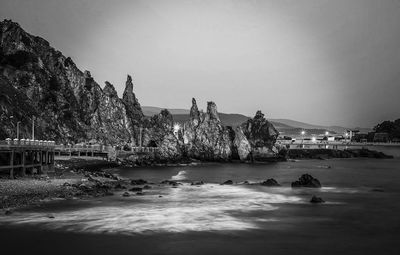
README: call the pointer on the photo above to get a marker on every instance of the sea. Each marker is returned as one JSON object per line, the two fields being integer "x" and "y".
{"x": 361, "y": 213}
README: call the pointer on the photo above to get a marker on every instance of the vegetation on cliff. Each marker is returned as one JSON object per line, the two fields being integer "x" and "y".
{"x": 392, "y": 128}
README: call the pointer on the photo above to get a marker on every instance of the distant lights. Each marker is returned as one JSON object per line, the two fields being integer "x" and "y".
{"x": 303, "y": 132}
{"x": 177, "y": 127}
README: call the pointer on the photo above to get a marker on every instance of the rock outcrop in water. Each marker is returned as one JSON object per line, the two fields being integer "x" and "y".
{"x": 160, "y": 133}
{"x": 307, "y": 181}
{"x": 205, "y": 137}
{"x": 262, "y": 136}
{"x": 255, "y": 139}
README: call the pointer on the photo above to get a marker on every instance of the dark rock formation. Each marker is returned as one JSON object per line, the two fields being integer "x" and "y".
{"x": 261, "y": 135}
{"x": 136, "y": 189}
{"x": 138, "y": 182}
{"x": 159, "y": 133}
{"x": 242, "y": 145}
{"x": 270, "y": 183}
{"x": 228, "y": 182}
{"x": 204, "y": 135}
{"x": 133, "y": 109}
{"x": 308, "y": 181}
{"x": 212, "y": 113}
{"x": 68, "y": 105}
{"x": 172, "y": 183}
{"x": 316, "y": 200}
{"x": 111, "y": 123}
{"x": 194, "y": 111}
{"x": 197, "y": 183}
{"x": 331, "y": 153}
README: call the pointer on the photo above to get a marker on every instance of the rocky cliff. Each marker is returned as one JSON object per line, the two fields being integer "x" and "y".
{"x": 255, "y": 139}
{"x": 204, "y": 135}
{"x": 68, "y": 105}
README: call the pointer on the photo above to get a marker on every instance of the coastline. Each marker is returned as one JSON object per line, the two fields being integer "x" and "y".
{"x": 73, "y": 179}
{"x": 85, "y": 178}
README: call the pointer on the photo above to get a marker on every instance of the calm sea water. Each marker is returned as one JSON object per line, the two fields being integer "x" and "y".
{"x": 360, "y": 216}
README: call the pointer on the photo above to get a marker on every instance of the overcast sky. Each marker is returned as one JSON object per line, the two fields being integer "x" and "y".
{"x": 318, "y": 61}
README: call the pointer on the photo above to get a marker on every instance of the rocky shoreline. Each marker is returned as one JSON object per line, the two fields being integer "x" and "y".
{"x": 282, "y": 156}
{"x": 73, "y": 179}
{"x": 331, "y": 153}
{"x": 82, "y": 178}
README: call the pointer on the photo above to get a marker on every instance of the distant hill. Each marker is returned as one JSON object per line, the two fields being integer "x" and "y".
{"x": 181, "y": 115}
{"x": 152, "y": 110}
{"x": 285, "y": 126}
{"x": 303, "y": 125}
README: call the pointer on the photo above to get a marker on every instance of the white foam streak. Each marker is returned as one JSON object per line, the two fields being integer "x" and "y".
{"x": 180, "y": 176}
{"x": 187, "y": 208}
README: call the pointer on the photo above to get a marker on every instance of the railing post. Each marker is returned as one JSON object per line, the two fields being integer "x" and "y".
{"x": 23, "y": 154}
{"x": 12, "y": 164}
{"x": 41, "y": 160}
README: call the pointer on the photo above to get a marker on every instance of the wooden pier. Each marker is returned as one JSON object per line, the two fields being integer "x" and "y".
{"x": 82, "y": 151}
{"x": 22, "y": 157}
{"x": 102, "y": 151}
{"x": 28, "y": 157}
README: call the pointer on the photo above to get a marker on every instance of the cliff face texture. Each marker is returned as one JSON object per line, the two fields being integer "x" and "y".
{"x": 261, "y": 135}
{"x": 37, "y": 81}
{"x": 205, "y": 136}
{"x": 159, "y": 132}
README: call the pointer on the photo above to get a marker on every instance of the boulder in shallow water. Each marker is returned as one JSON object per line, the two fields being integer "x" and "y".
{"x": 270, "y": 183}
{"x": 228, "y": 182}
{"x": 316, "y": 200}
{"x": 119, "y": 186}
{"x": 138, "y": 182}
{"x": 136, "y": 189}
{"x": 307, "y": 181}
{"x": 126, "y": 194}
{"x": 197, "y": 183}
{"x": 173, "y": 183}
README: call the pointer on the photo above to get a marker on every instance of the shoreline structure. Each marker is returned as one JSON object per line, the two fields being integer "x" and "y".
{"x": 86, "y": 178}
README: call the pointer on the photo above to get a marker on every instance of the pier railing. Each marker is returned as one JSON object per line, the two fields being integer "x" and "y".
{"x": 23, "y": 156}
{"x": 26, "y": 143}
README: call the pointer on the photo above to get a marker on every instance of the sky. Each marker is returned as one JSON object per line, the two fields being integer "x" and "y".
{"x": 318, "y": 61}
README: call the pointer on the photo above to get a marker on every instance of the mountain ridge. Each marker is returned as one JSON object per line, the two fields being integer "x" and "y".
{"x": 234, "y": 119}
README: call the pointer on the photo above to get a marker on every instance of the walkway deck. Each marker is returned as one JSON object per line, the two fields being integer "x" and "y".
{"x": 21, "y": 157}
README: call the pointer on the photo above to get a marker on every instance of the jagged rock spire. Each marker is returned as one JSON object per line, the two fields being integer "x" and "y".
{"x": 133, "y": 109}
{"x": 128, "y": 95}
{"x": 109, "y": 90}
{"x": 259, "y": 115}
{"x": 194, "y": 110}
{"x": 212, "y": 112}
